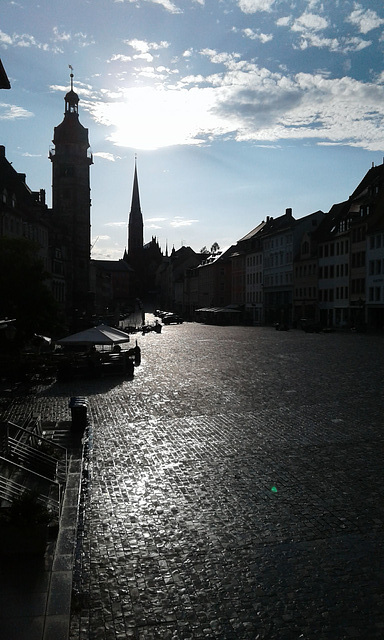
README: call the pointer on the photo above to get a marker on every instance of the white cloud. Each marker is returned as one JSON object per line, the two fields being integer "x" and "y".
{"x": 27, "y": 40}
{"x": 308, "y": 25}
{"x": 5, "y": 39}
{"x": 284, "y": 22}
{"x": 181, "y": 222}
{"x": 61, "y": 37}
{"x": 13, "y": 112}
{"x": 309, "y": 22}
{"x": 167, "y": 4}
{"x": 344, "y": 45}
{"x": 262, "y": 37}
{"x": 105, "y": 156}
{"x": 144, "y": 47}
{"x": 365, "y": 19}
{"x": 245, "y": 102}
{"x": 115, "y": 224}
{"x": 253, "y": 6}
{"x": 119, "y": 57}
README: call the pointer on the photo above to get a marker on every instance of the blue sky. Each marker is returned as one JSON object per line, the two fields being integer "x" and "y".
{"x": 236, "y": 109}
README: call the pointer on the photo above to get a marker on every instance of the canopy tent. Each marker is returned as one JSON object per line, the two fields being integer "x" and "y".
{"x": 101, "y": 335}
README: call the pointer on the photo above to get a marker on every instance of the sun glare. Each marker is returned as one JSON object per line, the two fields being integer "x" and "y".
{"x": 151, "y": 118}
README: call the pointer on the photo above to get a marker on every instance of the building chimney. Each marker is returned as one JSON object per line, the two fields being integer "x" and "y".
{"x": 288, "y": 212}
{"x": 2, "y": 151}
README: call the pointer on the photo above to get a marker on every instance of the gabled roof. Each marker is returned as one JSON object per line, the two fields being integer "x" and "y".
{"x": 4, "y": 82}
{"x": 253, "y": 233}
{"x": 374, "y": 176}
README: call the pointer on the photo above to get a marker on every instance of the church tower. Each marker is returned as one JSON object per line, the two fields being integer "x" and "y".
{"x": 135, "y": 225}
{"x": 71, "y": 204}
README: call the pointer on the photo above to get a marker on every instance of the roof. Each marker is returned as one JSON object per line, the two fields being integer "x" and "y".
{"x": 4, "y": 82}
{"x": 373, "y": 176}
{"x": 254, "y": 232}
{"x": 112, "y": 265}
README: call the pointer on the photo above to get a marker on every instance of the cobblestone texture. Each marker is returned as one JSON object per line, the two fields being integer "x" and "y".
{"x": 235, "y": 488}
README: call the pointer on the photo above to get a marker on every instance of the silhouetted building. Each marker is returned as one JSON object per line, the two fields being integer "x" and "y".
{"x": 23, "y": 213}
{"x": 71, "y": 206}
{"x": 144, "y": 259}
{"x": 111, "y": 284}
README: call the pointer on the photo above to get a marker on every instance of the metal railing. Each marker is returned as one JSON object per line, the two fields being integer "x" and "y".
{"x": 33, "y": 450}
{"x": 16, "y": 479}
{"x": 29, "y": 460}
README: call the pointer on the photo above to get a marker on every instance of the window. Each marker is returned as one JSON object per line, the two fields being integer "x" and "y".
{"x": 371, "y": 267}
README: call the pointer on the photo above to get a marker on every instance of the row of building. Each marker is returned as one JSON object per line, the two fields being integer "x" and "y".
{"x": 327, "y": 268}
{"x": 324, "y": 267}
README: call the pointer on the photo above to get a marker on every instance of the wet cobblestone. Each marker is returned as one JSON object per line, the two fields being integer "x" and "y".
{"x": 235, "y": 488}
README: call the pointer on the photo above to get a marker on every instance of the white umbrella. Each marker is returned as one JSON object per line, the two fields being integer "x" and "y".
{"x": 102, "y": 335}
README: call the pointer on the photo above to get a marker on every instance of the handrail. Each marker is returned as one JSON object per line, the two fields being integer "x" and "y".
{"x": 35, "y": 435}
{"x": 11, "y": 487}
{"x": 31, "y": 436}
{"x": 31, "y": 456}
{"x": 53, "y": 481}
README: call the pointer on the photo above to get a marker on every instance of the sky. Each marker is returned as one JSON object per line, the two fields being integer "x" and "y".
{"x": 235, "y": 109}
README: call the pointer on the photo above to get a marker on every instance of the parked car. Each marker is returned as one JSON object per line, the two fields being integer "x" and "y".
{"x": 172, "y": 318}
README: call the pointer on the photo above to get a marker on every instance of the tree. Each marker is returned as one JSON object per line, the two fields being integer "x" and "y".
{"x": 204, "y": 250}
{"x": 24, "y": 294}
{"x": 215, "y": 248}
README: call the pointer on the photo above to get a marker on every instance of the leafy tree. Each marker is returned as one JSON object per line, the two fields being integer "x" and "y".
{"x": 24, "y": 294}
{"x": 204, "y": 250}
{"x": 215, "y": 248}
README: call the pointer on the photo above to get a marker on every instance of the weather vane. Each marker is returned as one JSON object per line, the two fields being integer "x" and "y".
{"x": 71, "y": 76}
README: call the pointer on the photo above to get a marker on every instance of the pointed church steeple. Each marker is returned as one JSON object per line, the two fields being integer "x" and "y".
{"x": 135, "y": 225}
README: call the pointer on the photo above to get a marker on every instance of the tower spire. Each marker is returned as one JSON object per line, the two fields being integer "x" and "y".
{"x": 135, "y": 226}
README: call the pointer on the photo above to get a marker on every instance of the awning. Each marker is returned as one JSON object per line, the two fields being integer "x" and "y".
{"x": 101, "y": 335}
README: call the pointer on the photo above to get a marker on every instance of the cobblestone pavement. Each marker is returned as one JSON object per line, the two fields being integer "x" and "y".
{"x": 235, "y": 489}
